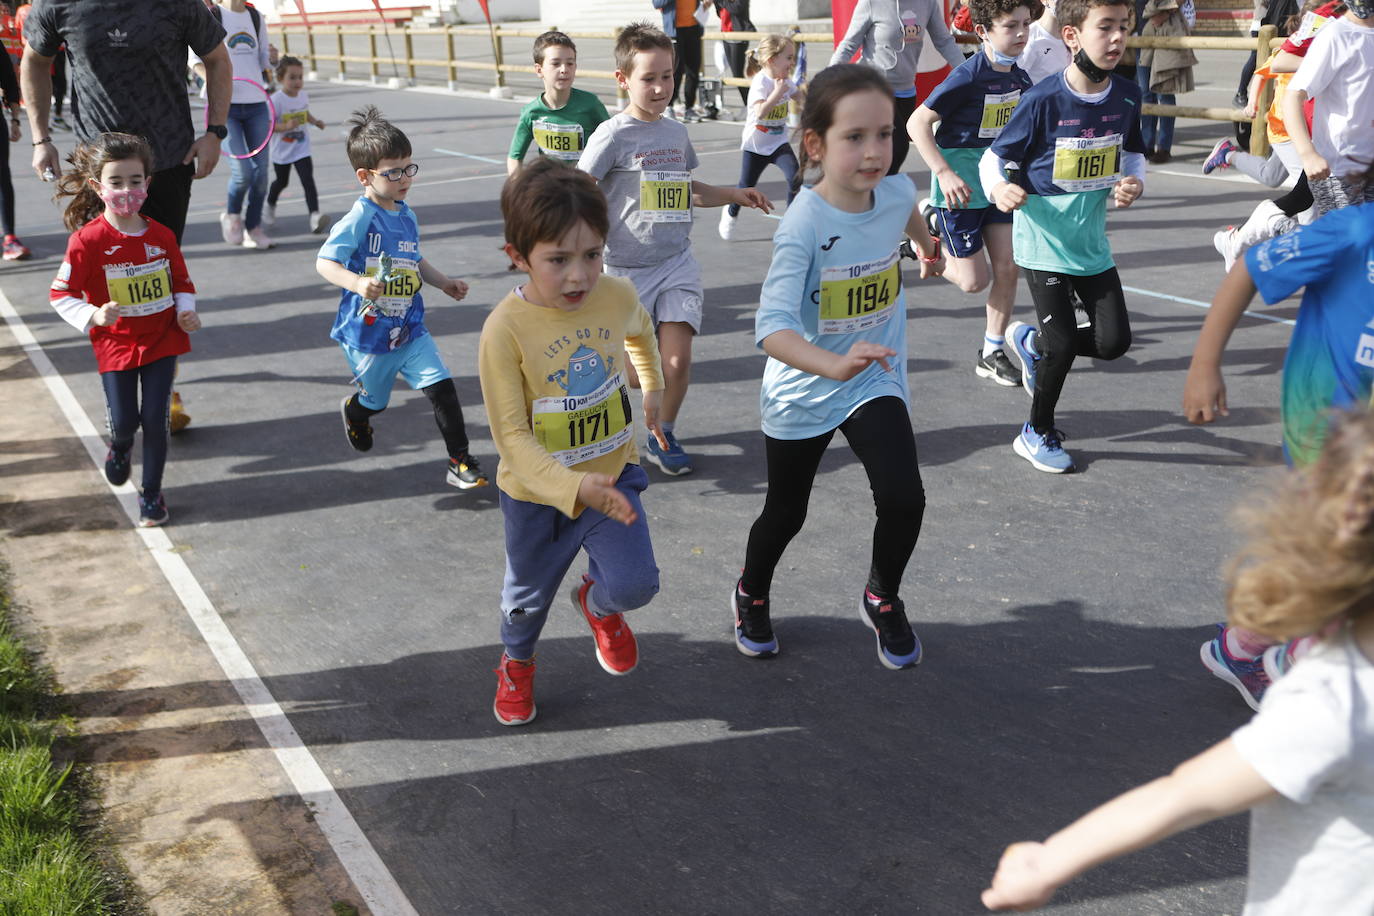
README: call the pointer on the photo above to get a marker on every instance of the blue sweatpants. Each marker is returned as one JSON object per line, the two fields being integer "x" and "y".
{"x": 541, "y": 544}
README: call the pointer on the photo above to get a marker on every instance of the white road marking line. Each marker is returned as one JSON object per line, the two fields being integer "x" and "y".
{"x": 1234, "y": 179}
{"x": 376, "y": 884}
{"x": 454, "y": 152}
{"x": 1205, "y": 305}
{"x": 355, "y": 194}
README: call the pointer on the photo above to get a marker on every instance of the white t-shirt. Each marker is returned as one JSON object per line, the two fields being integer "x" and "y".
{"x": 1338, "y": 72}
{"x": 765, "y": 131}
{"x": 294, "y": 144}
{"x": 1044, "y": 54}
{"x": 247, "y": 52}
{"x": 1312, "y": 849}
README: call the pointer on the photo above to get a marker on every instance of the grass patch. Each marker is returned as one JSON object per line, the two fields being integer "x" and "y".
{"x": 48, "y": 864}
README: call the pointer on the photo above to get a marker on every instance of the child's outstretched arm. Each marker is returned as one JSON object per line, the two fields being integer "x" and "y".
{"x": 641, "y": 346}
{"x": 452, "y": 286}
{"x": 1313, "y": 163}
{"x": 341, "y": 276}
{"x": 1204, "y": 391}
{"x": 791, "y": 348}
{"x": 1216, "y": 783}
{"x": 710, "y": 195}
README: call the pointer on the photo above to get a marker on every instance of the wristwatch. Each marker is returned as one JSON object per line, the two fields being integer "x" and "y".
{"x": 219, "y": 130}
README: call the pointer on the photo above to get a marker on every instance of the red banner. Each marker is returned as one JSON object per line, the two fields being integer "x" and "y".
{"x": 300, "y": 5}
{"x": 485, "y": 12}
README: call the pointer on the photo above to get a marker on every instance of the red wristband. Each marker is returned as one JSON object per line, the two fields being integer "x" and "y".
{"x": 936, "y": 256}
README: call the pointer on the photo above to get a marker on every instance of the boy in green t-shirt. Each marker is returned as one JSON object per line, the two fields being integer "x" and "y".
{"x": 561, "y": 118}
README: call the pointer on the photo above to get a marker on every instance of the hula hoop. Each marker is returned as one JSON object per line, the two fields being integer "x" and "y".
{"x": 271, "y": 117}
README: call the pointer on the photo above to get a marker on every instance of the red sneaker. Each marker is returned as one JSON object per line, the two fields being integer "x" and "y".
{"x": 14, "y": 249}
{"x": 514, "y": 704}
{"x": 616, "y": 648}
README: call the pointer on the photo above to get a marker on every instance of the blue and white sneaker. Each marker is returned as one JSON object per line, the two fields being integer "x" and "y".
{"x": 1018, "y": 335}
{"x": 753, "y": 630}
{"x": 1043, "y": 450}
{"x": 898, "y": 646}
{"x": 672, "y": 460}
{"x": 1246, "y": 675}
{"x": 1218, "y": 157}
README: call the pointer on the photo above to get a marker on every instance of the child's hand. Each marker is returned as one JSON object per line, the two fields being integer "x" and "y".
{"x": 1020, "y": 882}
{"x": 106, "y": 315}
{"x": 752, "y": 197}
{"x": 956, "y": 190}
{"x": 318, "y": 123}
{"x": 1251, "y": 107}
{"x": 598, "y": 491}
{"x": 653, "y": 400}
{"x": 189, "y": 321}
{"x": 1126, "y": 191}
{"x": 845, "y": 366}
{"x": 933, "y": 268}
{"x": 368, "y": 287}
{"x": 454, "y": 288}
{"x": 1009, "y": 197}
{"x": 1204, "y": 394}
{"x": 1315, "y": 166}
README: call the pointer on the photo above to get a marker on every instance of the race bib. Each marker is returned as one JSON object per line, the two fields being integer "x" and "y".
{"x": 296, "y": 118}
{"x": 143, "y": 289}
{"x": 1310, "y": 26}
{"x": 578, "y": 428}
{"x": 401, "y": 288}
{"x": 997, "y": 111}
{"x": 774, "y": 119}
{"x": 859, "y": 296}
{"x": 560, "y": 141}
{"x": 1087, "y": 163}
{"x": 665, "y": 197}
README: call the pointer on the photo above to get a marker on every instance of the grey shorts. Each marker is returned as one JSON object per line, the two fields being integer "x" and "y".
{"x": 670, "y": 291}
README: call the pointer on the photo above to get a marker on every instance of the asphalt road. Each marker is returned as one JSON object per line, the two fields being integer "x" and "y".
{"x": 1061, "y": 615}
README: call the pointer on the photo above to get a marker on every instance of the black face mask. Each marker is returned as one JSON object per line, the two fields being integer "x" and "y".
{"x": 1089, "y": 69}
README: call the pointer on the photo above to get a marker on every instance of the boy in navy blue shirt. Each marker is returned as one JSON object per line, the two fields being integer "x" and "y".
{"x": 1072, "y": 142}
{"x": 373, "y": 253}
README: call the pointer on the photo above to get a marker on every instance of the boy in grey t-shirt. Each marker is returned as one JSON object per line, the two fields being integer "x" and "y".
{"x": 644, "y": 163}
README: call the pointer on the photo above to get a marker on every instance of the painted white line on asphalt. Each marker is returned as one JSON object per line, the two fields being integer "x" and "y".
{"x": 1234, "y": 179}
{"x": 454, "y": 152}
{"x": 355, "y": 193}
{"x": 1205, "y": 305}
{"x": 376, "y": 884}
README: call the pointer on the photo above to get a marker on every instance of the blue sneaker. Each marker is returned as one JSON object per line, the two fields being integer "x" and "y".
{"x": 898, "y": 646}
{"x": 1246, "y": 675}
{"x": 672, "y": 460}
{"x": 117, "y": 465}
{"x": 1043, "y": 450}
{"x": 1217, "y": 158}
{"x": 753, "y": 630}
{"x": 1018, "y": 335}
{"x": 152, "y": 510}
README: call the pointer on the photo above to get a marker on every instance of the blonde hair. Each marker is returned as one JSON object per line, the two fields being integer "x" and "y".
{"x": 1310, "y": 556}
{"x": 770, "y": 46}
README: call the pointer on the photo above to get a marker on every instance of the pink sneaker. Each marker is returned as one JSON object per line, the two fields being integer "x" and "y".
{"x": 14, "y": 249}
{"x": 257, "y": 238}
{"x": 231, "y": 228}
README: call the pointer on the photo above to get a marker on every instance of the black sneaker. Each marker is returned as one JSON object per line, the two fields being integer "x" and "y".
{"x": 359, "y": 434}
{"x": 152, "y": 511}
{"x": 117, "y": 466}
{"x": 998, "y": 368}
{"x": 465, "y": 473}
{"x": 898, "y": 646}
{"x": 753, "y": 630}
{"x": 907, "y": 249}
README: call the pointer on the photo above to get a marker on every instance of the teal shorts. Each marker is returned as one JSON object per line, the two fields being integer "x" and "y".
{"x": 418, "y": 362}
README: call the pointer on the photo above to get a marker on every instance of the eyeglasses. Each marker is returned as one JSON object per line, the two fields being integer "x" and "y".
{"x": 397, "y": 173}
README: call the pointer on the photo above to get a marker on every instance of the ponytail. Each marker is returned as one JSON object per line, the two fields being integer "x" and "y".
{"x": 752, "y": 64}
{"x": 88, "y": 160}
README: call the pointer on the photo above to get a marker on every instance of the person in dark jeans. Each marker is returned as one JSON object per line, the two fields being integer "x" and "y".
{"x": 681, "y": 25}
{"x": 734, "y": 17}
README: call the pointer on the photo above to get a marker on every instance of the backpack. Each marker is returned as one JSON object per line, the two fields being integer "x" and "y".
{"x": 253, "y": 14}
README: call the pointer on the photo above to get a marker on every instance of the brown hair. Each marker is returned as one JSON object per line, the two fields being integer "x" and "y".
{"x": 1310, "y": 556}
{"x": 770, "y": 46}
{"x": 985, "y": 11}
{"x": 88, "y": 160}
{"x": 373, "y": 138}
{"x": 636, "y": 37}
{"x": 546, "y": 199}
{"x": 827, "y": 89}
{"x": 551, "y": 39}
{"x": 287, "y": 61}
{"x": 1074, "y": 12}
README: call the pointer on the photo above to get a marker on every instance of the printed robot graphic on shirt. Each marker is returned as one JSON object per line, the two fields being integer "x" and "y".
{"x": 594, "y": 419}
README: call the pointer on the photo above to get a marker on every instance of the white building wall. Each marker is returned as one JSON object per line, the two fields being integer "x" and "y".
{"x": 578, "y": 14}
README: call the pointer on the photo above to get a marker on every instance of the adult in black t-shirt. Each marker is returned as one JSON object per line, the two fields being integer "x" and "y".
{"x": 128, "y": 73}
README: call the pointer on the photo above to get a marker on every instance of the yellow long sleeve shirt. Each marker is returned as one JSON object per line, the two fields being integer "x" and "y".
{"x": 555, "y": 391}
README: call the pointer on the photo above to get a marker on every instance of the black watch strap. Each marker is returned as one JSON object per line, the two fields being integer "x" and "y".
{"x": 219, "y": 130}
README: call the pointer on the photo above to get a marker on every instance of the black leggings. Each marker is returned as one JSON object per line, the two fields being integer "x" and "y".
{"x": 6, "y": 186}
{"x": 59, "y": 80}
{"x": 304, "y": 168}
{"x": 687, "y": 63}
{"x": 125, "y": 414}
{"x": 1059, "y": 339}
{"x": 734, "y": 57}
{"x": 448, "y": 413}
{"x": 753, "y": 165}
{"x": 901, "y": 140}
{"x": 879, "y": 434}
{"x": 1298, "y": 200}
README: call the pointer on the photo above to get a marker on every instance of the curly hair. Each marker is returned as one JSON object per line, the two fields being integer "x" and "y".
{"x": 1310, "y": 555}
{"x": 88, "y": 160}
{"x": 985, "y": 12}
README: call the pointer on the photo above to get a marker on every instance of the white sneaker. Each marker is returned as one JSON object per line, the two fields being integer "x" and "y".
{"x": 256, "y": 238}
{"x": 727, "y": 224}
{"x": 318, "y": 222}
{"x": 1224, "y": 241}
{"x": 231, "y": 227}
{"x": 269, "y": 215}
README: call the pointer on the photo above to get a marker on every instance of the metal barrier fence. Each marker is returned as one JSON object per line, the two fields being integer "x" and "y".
{"x": 305, "y": 44}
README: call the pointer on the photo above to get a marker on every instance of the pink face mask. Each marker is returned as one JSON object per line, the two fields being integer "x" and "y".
{"x": 123, "y": 201}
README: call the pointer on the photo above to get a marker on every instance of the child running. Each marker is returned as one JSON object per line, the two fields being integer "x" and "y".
{"x": 551, "y": 360}
{"x": 125, "y": 283}
{"x": 644, "y": 163}
{"x": 561, "y": 118}
{"x": 972, "y": 106}
{"x": 764, "y": 140}
{"x": 1072, "y": 142}
{"x": 832, "y": 319}
{"x": 373, "y": 254}
{"x": 291, "y": 143}
{"x": 1304, "y": 766}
